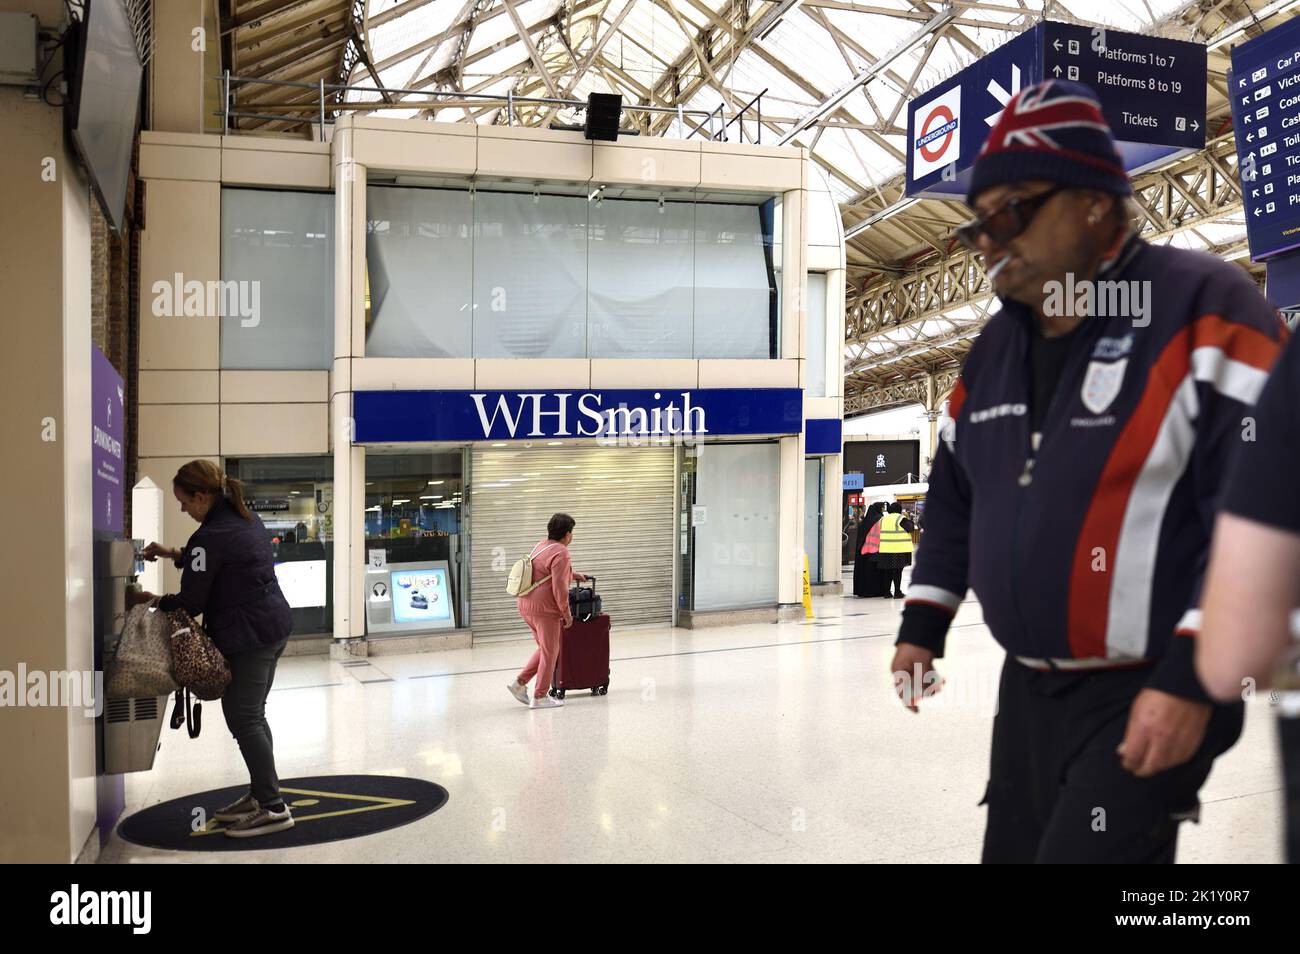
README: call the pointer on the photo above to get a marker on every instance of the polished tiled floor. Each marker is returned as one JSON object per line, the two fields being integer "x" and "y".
{"x": 750, "y": 743}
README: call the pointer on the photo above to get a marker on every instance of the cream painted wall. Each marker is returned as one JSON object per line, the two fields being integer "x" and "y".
{"x": 176, "y": 68}
{"x": 78, "y": 518}
{"x": 47, "y": 786}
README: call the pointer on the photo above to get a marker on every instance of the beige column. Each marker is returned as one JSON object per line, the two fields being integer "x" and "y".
{"x": 931, "y": 415}
{"x": 790, "y": 535}
{"x": 47, "y": 752}
{"x": 349, "y": 343}
{"x": 182, "y": 30}
{"x": 794, "y": 291}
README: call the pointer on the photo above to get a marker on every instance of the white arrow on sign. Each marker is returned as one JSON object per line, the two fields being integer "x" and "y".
{"x": 1056, "y": 44}
{"x": 1250, "y": 137}
{"x": 1195, "y": 124}
{"x": 1057, "y": 69}
{"x": 1257, "y": 213}
{"x": 1254, "y": 193}
{"x": 1001, "y": 95}
{"x": 1241, "y": 83}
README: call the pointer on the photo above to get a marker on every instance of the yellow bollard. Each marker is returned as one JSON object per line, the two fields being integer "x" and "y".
{"x": 807, "y": 591}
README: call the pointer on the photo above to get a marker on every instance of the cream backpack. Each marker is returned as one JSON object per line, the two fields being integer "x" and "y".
{"x": 521, "y": 575}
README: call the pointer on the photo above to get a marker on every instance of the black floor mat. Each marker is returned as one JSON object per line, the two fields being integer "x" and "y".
{"x": 325, "y": 808}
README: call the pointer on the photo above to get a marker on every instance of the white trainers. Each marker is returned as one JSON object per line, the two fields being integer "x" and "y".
{"x": 261, "y": 822}
{"x": 236, "y": 811}
{"x": 519, "y": 692}
{"x": 547, "y": 702}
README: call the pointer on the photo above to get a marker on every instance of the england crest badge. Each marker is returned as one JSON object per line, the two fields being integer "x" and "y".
{"x": 1102, "y": 383}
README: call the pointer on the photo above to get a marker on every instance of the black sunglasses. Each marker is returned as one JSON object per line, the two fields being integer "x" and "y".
{"x": 1006, "y": 221}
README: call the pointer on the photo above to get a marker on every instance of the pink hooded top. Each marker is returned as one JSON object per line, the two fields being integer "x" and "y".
{"x": 550, "y": 558}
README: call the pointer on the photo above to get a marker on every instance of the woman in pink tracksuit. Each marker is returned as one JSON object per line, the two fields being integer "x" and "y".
{"x": 546, "y": 610}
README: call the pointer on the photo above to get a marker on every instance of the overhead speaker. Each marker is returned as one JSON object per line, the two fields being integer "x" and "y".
{"x": 603, "y": 112}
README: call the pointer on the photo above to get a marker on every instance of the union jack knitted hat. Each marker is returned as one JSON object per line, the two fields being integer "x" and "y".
{"x": 1052, "y": 131}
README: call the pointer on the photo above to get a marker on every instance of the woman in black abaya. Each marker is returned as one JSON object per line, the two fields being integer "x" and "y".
{"x": 868, "y": 579}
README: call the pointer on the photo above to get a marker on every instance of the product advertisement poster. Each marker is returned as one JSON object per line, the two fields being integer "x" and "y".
{"x": 108, "y": 430}
{"x": 421, "y": 596}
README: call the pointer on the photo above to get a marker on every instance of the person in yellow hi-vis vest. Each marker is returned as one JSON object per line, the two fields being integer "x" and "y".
{"x": 895, "y": 548}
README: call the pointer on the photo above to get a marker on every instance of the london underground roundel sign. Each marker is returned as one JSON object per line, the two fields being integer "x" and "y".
{"x": 936, "y": 133}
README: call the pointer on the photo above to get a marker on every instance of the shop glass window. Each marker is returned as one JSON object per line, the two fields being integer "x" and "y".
{"x": 530, "y": 275}
{"x": 414, "y": 515}
{"x": 419, "y": 267}
{"x": 817, "y": 324}
{"x": 277, "y": 288}
{"x": 735, "y": 282}
{"x": 504, "y": 272}
{"x": 294, "y": 499}
{"x": 735, "y": 561}
{"x": 642, "y": 272}
{"x": 813, "y": 507}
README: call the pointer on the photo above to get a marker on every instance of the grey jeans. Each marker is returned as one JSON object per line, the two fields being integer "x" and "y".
{"x": 244, "y": 706}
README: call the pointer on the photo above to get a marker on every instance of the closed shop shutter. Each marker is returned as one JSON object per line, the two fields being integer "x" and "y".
{"x": 622, "y": 500}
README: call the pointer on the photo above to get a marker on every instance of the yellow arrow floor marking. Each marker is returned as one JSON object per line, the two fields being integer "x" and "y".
{"x": 212, "y": 828}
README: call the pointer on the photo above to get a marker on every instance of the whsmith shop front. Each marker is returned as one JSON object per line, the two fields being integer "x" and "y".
{"x": 690, "y": 503}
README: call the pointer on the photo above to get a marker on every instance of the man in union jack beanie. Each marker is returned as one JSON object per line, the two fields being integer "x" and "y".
{"x": 1075, "y": 488}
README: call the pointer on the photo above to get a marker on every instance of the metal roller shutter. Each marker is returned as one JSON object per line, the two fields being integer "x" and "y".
{"x": 622, "y": 500}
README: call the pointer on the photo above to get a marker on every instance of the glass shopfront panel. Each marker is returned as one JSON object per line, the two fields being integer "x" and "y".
{"x": 277, "y": 270}
{"x": 618, "y": 273}
{"x": 415, "y": 540}
{"x": 294, "y": 499}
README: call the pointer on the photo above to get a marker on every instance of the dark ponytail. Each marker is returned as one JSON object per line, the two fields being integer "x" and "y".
{"x": 206, "y": 476}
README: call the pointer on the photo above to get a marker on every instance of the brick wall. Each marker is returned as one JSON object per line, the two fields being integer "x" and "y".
{"x": 114, "y": 298}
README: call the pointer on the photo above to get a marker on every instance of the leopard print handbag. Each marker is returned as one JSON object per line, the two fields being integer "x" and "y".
{"x": 198, "y": 664}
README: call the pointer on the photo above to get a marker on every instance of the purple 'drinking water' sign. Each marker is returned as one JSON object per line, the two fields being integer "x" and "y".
{"x": 108, "y": 453}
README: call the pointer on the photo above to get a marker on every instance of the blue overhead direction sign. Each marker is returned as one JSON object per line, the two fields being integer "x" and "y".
{"x": 1264, "y": 86}
{"x": 1152, "y": 90}
{"x": 1152, "y": 93}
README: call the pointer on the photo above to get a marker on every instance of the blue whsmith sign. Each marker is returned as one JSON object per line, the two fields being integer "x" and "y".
{"x": 397, "y": 416}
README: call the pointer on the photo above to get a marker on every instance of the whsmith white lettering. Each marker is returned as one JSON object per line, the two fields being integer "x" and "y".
{"x": 595, "y": 420}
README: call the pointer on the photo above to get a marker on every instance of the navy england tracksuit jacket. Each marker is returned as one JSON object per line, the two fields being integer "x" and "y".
{"x": 1089, "y": 551}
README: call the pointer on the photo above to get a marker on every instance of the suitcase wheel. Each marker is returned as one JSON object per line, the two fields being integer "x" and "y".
{"x": 602, "y": 690}
{"x": 559, "y": 693}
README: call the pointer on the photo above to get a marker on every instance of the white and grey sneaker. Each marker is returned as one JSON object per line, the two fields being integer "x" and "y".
{"x": 237, "y": 810}
{"x": 519, "y": 692}
{"x": 261, "y": 822}
{"x": 547, "y": 702}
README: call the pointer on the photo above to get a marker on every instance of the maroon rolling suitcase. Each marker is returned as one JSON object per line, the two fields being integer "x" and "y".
{"x": 584, "y": 658}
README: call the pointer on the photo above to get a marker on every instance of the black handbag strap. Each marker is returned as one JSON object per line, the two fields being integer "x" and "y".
{"x": 188, "y": 713}
{"x": 193, "y": 716}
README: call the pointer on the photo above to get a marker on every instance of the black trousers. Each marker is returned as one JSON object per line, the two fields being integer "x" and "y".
{"x": 1288, "y": 737}
{"x": 244, "y": 706}
{"x": 1057, "y": 792}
